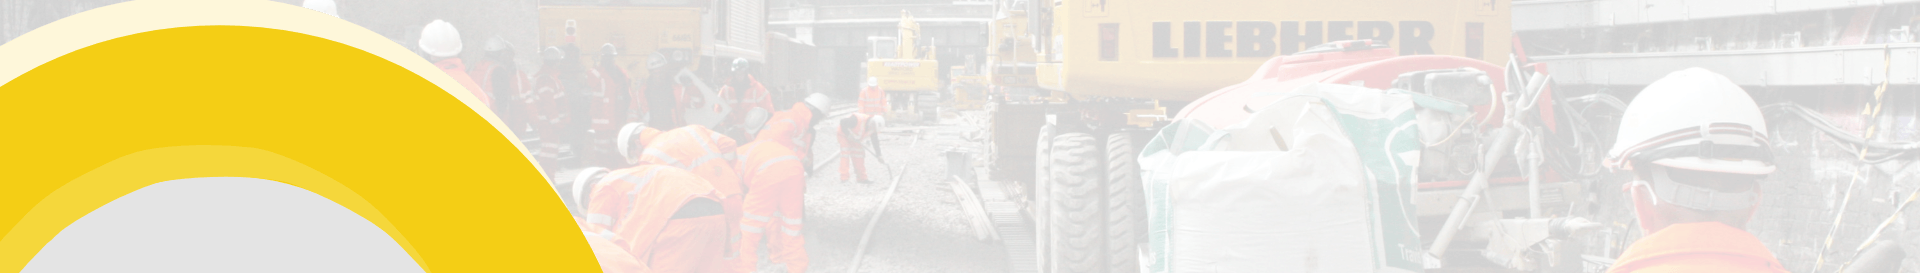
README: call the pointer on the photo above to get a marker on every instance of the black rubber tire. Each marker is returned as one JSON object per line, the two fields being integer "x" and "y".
{"x": 1076, "y": 172}
{"x": 1042, "y": 155}
{"x": 1126, "y": 209}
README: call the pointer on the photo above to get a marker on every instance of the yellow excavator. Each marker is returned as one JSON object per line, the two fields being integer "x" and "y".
{"x": 907, "y": 71}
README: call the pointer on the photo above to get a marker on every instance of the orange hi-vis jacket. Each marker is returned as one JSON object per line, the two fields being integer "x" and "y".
{"x": 789, "y": 128}
{"x": 613, "y": 258}
{"x": 742, "y": 99}
{"x": 458, "y": 69}
{"x": 853, "y": 149}
{"x": 1697, "y": 247}
{"x": 775, "y": 200}
{"x": 638, "y": 203}
{"x": 873, "y": 101}
{"x": 706, "y": 154}
{"x": 550, "y": 118}
{"x": 606, "y": 99}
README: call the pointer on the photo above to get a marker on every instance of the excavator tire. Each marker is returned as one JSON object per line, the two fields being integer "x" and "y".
{"x": 1125, "y": 205}
{"x": 1042, "y": 155}
{"x": 1076, "y": 169}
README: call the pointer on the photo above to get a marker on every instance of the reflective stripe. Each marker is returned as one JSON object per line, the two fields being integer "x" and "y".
{"x": 607, "y": 234}
{"x": 769, "y": 163}
{"x": 750, "y": 215}
{"x": 753, "y": 229}
{"x": 791, "y": 221}
{"x": 662, "y": 156}
{"x": 789, "y": 231}
{"x": 634, "y": 194}
{"x": 601, "y": 219}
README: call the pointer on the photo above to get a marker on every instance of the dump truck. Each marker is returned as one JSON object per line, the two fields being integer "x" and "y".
{"x": 1083, "y": 86}
{"x": 907, "y": 71}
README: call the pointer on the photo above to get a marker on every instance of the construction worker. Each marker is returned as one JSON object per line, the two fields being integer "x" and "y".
{"x": 607, "y": 247}
{"x": 775, "y": 200}
{"x": 856, "y": 132}
{"x": 633, "y": 140}
{"x": 873, "y": 101}
{"x": 710, "y": 156}
{"x": 504, "y": 81}
{"x": 751, "y": 103}
{"x": 793, "y": 127}
{"x": 440, "y": 41}
{"x": 668, "y": 219}
{"x": 1697, "y": 146}
{"x": 608, "y": 102}
{"x": 552, "y": 110}
{"x": 322, "y": 6}
{"x": 662, "y": 92}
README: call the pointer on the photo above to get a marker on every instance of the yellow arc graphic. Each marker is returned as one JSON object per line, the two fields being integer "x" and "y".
{"x": 149, "y": 91}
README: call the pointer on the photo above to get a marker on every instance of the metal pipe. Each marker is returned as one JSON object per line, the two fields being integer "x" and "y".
{"x": 1502, "y": 141}
{"x": 1533, "y": 176}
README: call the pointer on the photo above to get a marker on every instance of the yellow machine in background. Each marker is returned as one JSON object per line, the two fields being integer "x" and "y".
{"x": 1072, "y": 76}
{"x": 969, "y": 87}
{"x": 906, "y": 71}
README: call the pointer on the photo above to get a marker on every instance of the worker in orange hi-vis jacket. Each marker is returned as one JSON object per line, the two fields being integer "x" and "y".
{"x": 607, "y": 103}
{"x": 873, "y": 101}
{"x": 774, "y": 205}
{"x": 709, "y": 155}
{"x": 607, "y": 247}
{"x": 856, "y": 133}
{"x": 1697, "y": 146}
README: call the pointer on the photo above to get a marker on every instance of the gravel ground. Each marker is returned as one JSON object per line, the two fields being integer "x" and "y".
{"x": 924, "y": 229}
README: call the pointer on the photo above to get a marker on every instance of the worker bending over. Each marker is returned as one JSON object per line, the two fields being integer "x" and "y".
{"x": 856, "y": 132}
{"x": 441, "y": 42}
{"x": 607, "y": 102}
{"x": 607, "y": 247}
{"x": 710, "y": 156}
{"x": 873, "y": 101}
{"x": 1697, "y": 147}
{"x": 793, "y": 128}
{"x": 774, "y": 205}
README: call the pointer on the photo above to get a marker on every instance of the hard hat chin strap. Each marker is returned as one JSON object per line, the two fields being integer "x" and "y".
{"x": 1664, "y": 189}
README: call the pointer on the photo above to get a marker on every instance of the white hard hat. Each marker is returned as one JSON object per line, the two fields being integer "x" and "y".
{"x": 873, "y": 81}
{"x": 323, "y": 6}
{"x": 818, "y": 101}
{"x": 756, "y": 119}
{"x": 440, "y": 39}
{"x": 552, "y": 53}
{"x": 496, "y": 43}
{"x": 583, "y": 185}
{"x": 625, "y": 141}
{"x": 1697, "y": 120}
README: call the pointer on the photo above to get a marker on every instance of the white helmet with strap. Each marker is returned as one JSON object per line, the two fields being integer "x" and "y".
{"x": 818, "y": 101}
{"x": 625, "y": 140}
{"x": 1694, "y": 119}
{"x": 582, "y": 184}
{"x": 755, "y": 120}
{"x": 440, "y": 39}
{"x": 496, "y": 43}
